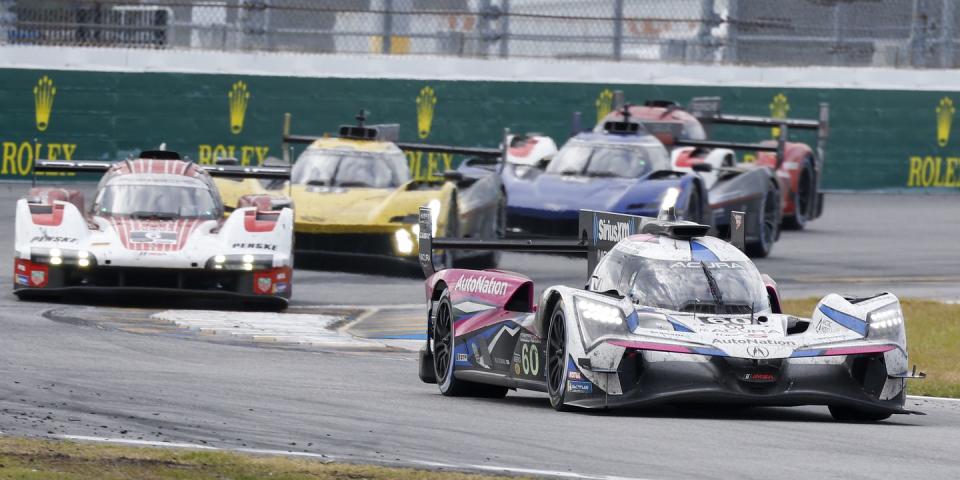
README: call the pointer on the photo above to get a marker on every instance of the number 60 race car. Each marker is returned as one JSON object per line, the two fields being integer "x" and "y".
{"x": 669, "y": 316}
{"x": 156, "y": 223}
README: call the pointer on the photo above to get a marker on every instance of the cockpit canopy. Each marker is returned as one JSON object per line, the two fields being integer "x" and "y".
{"x": 157, "y": 197}
{"x": 696, "y": 283}
{"x": 351, "y": 168}
{"x": 599, "y": 159}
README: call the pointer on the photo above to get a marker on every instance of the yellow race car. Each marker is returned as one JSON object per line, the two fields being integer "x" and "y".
{"x": 354, "y": 195}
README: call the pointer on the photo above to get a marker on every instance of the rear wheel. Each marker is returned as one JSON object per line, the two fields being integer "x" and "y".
{"x": 804, "y": 200}
{"x": 556, "y": 353}
{"x": 848, "y": 414}
{"x": 767, "y": 226}
{"x": 443, "y": 357}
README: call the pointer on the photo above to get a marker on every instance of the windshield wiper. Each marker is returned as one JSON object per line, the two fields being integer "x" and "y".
{"x": 147, "y": 215}
{"x": 714, "y": 288}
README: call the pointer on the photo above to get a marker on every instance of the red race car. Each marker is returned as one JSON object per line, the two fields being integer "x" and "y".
{"x": 799, "y": 167}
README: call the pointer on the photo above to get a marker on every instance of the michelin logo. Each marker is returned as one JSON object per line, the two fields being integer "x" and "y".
{"x": 612, "y": 231}
{"x": 481, "y": 284}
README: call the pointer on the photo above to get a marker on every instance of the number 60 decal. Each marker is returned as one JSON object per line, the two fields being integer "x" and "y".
{"x": 530, "y": 359}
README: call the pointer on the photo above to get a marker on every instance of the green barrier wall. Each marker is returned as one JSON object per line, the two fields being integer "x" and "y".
{"x": 879, "y": 139}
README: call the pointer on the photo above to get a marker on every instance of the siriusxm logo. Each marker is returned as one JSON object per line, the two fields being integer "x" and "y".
{"x": 481, "y": 284}
{"x": 612, "y": 231}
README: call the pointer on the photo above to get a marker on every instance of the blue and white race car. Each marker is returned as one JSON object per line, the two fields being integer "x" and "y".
{"x": 669, "y": 316}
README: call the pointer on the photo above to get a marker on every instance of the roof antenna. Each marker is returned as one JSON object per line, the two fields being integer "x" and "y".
{"x": 626, "y": 113}
{"x": 163, "y": 146}
{"x": 361, "y": 117}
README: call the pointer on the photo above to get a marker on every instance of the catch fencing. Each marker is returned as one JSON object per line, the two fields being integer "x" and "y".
{"x": 886, "y": 33}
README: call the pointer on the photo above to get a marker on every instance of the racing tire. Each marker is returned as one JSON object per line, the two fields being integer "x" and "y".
{"x": 556, "y": 354}
{"x": 848, "y": 414}
{"x": 443, "y": 351}
{"x": 804, "y": 199}
{"x": 768, "y": 226}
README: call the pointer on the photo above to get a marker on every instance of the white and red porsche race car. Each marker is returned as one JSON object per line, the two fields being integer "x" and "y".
{"x": 156, "y": 223}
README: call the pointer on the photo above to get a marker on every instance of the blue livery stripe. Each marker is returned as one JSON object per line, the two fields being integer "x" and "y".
{"x": 700, "y": 253}
{"x": 849, "y": 321}
{"x": 716, "y": 352}
{"x": 807, "y": 353}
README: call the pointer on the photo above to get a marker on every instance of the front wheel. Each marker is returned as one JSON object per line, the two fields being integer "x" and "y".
{"x": 556, "y": 353}
{"x": 804, "y": 200}
{"x": 767, "y": 226}
{"x": 443, "y": 337}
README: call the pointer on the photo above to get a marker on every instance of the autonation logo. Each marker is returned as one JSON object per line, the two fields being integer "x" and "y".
{"x": 612, "y": 231}
{"x": 481, "y": 284}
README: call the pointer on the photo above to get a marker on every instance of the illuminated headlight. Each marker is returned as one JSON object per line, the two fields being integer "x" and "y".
{"x": 55, "y": 252}
{"x": 434, "y": 206}
{"x": 247, "y": 258}
{"x": 404, "y": 241}
{"x": 669, "y": 199}
{"x": 83, "y": 262}
{"x": 248, "y": 266}
{"x": 245, "y": 262}
{"x": 83, "y": 254}
{"x": 599, "y": 319}
{"x": 219, "y": 259}
{"x": 56, "y": 260}
{"x": 886, "y": 323}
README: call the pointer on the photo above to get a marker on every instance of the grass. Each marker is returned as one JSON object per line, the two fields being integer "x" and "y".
{"x": 933, "y": 342}
{"x": 22, "y": 458}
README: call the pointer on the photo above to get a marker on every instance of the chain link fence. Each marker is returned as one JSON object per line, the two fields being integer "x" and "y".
{"x": 889, "y": 33}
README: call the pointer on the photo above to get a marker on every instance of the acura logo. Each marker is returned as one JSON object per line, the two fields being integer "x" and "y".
{"x": 758, "y": 352}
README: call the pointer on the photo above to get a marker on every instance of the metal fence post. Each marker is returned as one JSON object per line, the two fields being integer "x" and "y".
{"x": 387, "y": 36}
{"x": 618, "y": 30}
{"x": 505, "y": 28}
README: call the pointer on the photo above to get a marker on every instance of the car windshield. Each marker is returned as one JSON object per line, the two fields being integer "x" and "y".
{"x": 601, "y": 160}
{"x": 345, "y": 168}
{"x": 155, "y": 201}
{"x": 729, "y": 287}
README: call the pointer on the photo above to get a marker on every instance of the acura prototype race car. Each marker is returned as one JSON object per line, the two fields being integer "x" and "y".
{"x": 669, "y": 316}
{"x": 622, "y": 166}
{"x": 355, "y": 196}
{"x": 156, "y": 223}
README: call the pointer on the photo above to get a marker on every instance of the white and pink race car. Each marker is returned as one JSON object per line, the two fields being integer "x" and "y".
{"x": 156, "y": 224}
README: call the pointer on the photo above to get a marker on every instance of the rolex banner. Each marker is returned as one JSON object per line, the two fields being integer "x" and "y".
{"x": 878, "y": 139}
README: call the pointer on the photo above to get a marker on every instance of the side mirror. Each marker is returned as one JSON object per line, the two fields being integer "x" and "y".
{"x": 702, "y": 167}
{"x": 543, "y": 162}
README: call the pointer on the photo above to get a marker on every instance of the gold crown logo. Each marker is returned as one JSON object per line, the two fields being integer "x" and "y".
{"x": 238, "y": 98}
{"x": 426, "y": 101}
{"x": 945, "y": 111}
{"x": 43, "y": 95}
{"x": 779, "y": 108}
{"x": 604, "y": 104}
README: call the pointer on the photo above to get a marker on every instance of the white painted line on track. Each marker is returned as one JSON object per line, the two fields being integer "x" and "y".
{"x": 330, "y": 458}
{"x": 923, "y": 397}
{"x": 362, "y": 307}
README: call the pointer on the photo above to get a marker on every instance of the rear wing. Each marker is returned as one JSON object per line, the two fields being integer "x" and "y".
{"x": 229, "y": 171}
{"x": 598, "y": 232}
{"x": 386, "y": 133}
{"x": 707, "y": 110}
{"x": 669, "y": 133}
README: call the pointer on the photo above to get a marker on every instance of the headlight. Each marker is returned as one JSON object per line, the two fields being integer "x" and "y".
{"x": 245, "y": 261}
{"x": 404, "y": 241}
{"x": 434, "y": 206}
{"x": 599, "y": 319}
{"x": 669, "y": 199}
{"x": 886, "y": 323}
{"x": 653, "y": 321}
{"x": 56, "y": 257}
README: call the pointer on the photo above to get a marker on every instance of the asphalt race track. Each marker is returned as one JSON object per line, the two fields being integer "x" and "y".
{"x": 125, "y": 373}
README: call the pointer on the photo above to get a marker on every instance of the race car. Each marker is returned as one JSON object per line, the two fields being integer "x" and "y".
{"x": 623, "y": 167}
{"x": 156, "y": 224}
{"x": 668, "y": 316}
{"x": 799, "y": 169}
{"x": 355, "y": 196}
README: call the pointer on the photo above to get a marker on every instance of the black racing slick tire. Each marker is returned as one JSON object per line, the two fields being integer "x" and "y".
{"x": 443, "y": 356}
{"x": 848, "y": 414}
{"x": 804, "y": 199}
{"x": 556, "y": 354}
{"x": 767, "y": 226}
